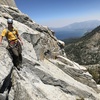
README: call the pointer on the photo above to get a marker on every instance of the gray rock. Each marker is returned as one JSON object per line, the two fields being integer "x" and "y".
{"x": 8, "y": 3}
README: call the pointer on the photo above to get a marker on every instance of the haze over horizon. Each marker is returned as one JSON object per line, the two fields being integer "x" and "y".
{"x": 60, "y": 13}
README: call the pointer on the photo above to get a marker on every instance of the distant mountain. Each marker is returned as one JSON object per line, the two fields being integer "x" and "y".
{"x": 76, "y": 30}
{"x": 86, "y": 50}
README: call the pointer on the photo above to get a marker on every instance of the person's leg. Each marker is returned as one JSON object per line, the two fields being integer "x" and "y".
{"x": 17, "y": 56}
{"x": 15, "y": 60}
{"x": 20, "y": 53}
{"x": 20, "y": 58}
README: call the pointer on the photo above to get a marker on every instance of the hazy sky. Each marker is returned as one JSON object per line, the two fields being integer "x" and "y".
{"x": 58, "y": 13}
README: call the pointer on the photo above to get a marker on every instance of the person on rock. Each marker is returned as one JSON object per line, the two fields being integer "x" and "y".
{"x": 14, "y": 43}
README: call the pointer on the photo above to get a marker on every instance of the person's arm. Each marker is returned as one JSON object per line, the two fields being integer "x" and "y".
{"x": 1, "y": 37}
{"x": 20, "y": 39}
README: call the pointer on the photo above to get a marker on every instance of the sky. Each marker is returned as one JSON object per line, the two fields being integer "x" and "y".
{"x": 59, "y": 13}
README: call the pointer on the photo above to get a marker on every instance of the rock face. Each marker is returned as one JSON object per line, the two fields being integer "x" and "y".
{"x": 8, "y": 3}
{"x": 46, "y": 73}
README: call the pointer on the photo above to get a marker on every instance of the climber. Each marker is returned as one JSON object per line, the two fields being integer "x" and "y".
{"x": 14, "y": 43}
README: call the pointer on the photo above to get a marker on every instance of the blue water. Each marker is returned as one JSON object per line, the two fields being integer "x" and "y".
{"x": 68, "y": 34}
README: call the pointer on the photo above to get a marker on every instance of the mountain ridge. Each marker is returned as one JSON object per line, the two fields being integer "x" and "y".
{"x": 85, "y": 47}
{"x": 76, "y": 30}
